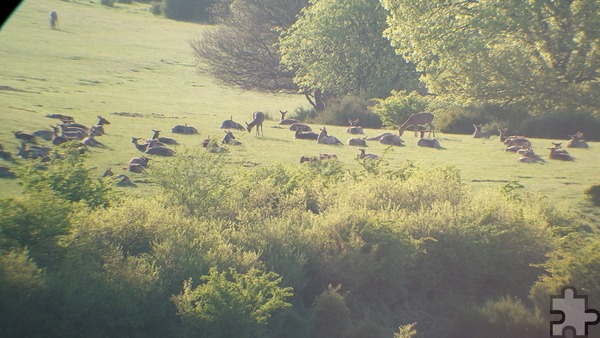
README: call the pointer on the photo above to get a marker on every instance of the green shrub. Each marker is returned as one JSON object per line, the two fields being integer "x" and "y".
{"x": 68, "y": 177}
{"x": 331, "y": 316}
{"x": 396, "y": 108}
{"x": 504, "y": 317}
{"x": 561, "y": 124}
{"x": 231, "y": 304}
{"x": 108, "y": 3}
{"x": 338, "y": 112}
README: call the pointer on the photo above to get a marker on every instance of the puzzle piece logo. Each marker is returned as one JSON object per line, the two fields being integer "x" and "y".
{"x": 575, "y": 314}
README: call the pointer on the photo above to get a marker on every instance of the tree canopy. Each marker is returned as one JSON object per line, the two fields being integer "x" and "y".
{"x": 541, "y": 55}
{"x": 338, "y": 47}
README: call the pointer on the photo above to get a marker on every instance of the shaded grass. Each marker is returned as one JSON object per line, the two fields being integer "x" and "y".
{"x": 138, "y": 71}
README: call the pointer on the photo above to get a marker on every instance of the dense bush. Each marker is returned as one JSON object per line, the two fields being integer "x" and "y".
{"x": 405, "y": 246}
{"x": 561, "y": 124}
{"x": 339, "y": 111}
{"x": 396, "y": 108}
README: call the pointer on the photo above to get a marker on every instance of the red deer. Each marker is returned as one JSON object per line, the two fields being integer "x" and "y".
{"x": 164, "y": 140}
{"x": 419, "y": 119}
{"x": 361, "y": 142}
{"x": 430, "y": 143}
{"x": 230, "y": 124}
{"x": 306, "y": 135}
{"x": 284, "y": 121}
{"x": 362, "y": 155}
{"x": 323, "y": 138}
{"x": 577, "y": 141}
{"x": 230, "y": 139}
{"x": 354, "y": 128}
{"x": 479, "y": 133}
{"x": 257, "y": 121}
{"x": 302, "y": 127}
{"x": 560, "y": 154}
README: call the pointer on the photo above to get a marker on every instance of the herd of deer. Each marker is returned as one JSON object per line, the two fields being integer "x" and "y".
{"x": 68, "y": 130}
{"x": 522, "y": 146}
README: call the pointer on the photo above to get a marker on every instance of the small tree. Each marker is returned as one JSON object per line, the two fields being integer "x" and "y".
{"x": 231, "y": 304}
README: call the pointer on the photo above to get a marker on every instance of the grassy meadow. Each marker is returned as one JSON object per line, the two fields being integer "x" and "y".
{"x": 138, "y": 71}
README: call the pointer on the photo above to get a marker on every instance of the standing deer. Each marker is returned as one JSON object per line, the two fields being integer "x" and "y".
{"x": 419, "y": 119}
{"x": 257, "y": 120}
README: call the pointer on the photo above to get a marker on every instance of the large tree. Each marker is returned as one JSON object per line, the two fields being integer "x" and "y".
{"x": 540, "y": 54}
{"x": 241, "y": 49}
{"x": 338, "y": 47}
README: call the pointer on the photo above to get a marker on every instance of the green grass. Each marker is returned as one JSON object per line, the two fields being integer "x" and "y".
{"x": 104, "y": 61}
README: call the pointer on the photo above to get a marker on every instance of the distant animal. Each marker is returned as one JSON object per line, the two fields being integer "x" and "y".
{"x": 23, "y": 152}
{"x": 90, "y": 141}
{"x": 161, "y": 151}
{"x": 528, "y": 156}
{"x": 54, "y": 20}
{"x": 206, "y": 142}
{"x": 430, "y": 143}
{"x": 504, "y": 138}
{"x": 96, "y": 130}
{"x": 124, "y": 181}
{"x": 73, "y": 133}
{"x": 185, "y": 129}
{"x": 139, "y": 146}
{"x": 419, "y": 119}
{"x": 362, "y": 155}
{"x": 230, "y": 139}
{"x": 142, "y": 161}
{"x": 230, "y": 124}
{"x": 517, "y": 141}
{"x": 58, "y": 139}
{"x": 164, "y": 140}
{"x": 577, "y": 141}
{"x": 25, "y": 137}
{"x": 317, "y": 158}
{"x": 302, "y": 127}
{"x": 305, "y": 135}
{"x": 6, "y": 155}
{"x": 324, "y": 138}
{"x": 102, "y": 121}
{"x": 354, "y": 128}
{"x": 284, "y": 121}
{"x": 479, "y": 133}
{"x": 108, "y": 172}
{"x": 257, "y": 121}
{"x": 61, "y": 117}
{"x": 562, "y": 155}
{"x": 44, "y": 134}
{"x": 361, "y": 142}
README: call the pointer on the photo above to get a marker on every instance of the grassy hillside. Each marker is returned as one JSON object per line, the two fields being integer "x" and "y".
{"x": 137, "y": 70}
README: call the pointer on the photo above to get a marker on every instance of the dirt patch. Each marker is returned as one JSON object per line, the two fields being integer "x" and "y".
{"x": 495, "y": 181}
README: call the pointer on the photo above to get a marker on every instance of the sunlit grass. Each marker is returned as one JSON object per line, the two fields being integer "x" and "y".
{"x": 105, "y": 61}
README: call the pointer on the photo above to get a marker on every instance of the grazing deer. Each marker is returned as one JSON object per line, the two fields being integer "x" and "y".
{"x": 305, "y": 135}
{"x": 479, "y": 133}
{"x": 284, "y": 121}
{"x": 354, "y": 128}
{"x": 323, "y": 138}
{"x": 230, "y": 124}
{"x": 577, "y": 141}
{"x": 419, "y": 119}
{"x": 257, "y": 121}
